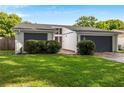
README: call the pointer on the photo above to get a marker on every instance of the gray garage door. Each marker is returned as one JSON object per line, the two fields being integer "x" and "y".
{"x": 103, "y": 43}
{"x": 35, "y": 36}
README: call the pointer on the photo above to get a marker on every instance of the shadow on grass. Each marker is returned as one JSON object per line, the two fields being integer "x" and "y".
{"x": 59, "y": 70}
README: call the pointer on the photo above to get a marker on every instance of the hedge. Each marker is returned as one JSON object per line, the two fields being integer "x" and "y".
{"x": 86, "y": 47}
{"x": 41, "y": 46}
{"x": 52, "y": 46}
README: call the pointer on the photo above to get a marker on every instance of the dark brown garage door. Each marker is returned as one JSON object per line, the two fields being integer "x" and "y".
{"x": 103, "y": 43}
{"x": 35, "y": 36}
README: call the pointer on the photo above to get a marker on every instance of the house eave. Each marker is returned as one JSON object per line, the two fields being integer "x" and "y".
{"x": 95, "y": 31}
{"x": 34, "y": 30}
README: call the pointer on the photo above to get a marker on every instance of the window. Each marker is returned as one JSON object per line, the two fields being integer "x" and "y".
{"x": 59, "y": 31}
{"x": 56, "y": 32}
{"x": 56, "y": 38}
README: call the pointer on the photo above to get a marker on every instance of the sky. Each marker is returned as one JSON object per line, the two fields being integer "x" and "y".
{"x": 64, "y": 14}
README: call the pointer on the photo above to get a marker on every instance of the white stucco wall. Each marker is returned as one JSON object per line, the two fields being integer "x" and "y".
{"x": 69, "y": 39}
{"x": 19, "y": 40}
{"x": 115, "y": 43}
{"x": 50, "y": 36}
{"x": 121, "y": 41}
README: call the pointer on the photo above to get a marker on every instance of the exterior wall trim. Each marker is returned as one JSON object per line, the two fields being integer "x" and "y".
{"x": 97, "y": 33}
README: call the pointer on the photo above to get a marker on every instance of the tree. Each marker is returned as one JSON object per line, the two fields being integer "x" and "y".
{"x": 7, "y": 22}
{"x": 2, "y": 32}
{"x": 115, "y": 24}
{"x": 102, "y": 25}
{"x": 91, "y": 21}
{"x": 110, "y": 24}
{"x": 86, "y": 21}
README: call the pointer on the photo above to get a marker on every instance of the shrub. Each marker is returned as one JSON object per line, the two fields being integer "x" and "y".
{"x": 35, "y": 46}
{"x": 30, "y": 46}
{"x": 41, "y": 46}
{"x": 86, "y": 47}
{"x": 53, "y": 46}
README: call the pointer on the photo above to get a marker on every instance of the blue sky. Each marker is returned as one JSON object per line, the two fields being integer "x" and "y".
{"x": 56, "y": 14}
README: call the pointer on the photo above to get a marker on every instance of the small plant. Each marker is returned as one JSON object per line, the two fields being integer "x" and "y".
{"x": 53, "y": 46}
{"x": 86, "y": 47}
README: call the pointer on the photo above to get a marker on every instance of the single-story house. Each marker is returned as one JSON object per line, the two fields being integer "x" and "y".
{"x": 68, "y": 36}
{"x": 120, "y": 39}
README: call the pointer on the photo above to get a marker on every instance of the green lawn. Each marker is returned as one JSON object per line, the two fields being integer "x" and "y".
{"x": 59, "y": 70}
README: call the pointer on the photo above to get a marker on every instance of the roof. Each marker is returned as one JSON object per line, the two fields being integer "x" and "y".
{"x": 52, "y": 26}
{"x": 120, "y": 31}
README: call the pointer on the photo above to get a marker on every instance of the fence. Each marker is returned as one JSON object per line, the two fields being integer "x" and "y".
{"x": 7, "y": 43}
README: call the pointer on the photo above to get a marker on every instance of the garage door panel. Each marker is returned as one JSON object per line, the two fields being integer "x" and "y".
{"x": 103, "y": 43}
{"x": 35, "y": 36}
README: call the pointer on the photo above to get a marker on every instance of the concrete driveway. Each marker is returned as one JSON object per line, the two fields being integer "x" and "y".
{"x": 112, "y": 56}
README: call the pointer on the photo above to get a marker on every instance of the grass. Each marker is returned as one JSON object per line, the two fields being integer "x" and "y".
{"x": 59, "y": 70}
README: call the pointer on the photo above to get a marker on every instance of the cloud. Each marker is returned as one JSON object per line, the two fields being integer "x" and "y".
{"x": 103, "y": 12}
{"x": 22, "y": 14}
{"x": 67, "y": 12}
{"x": 8, "y": 8}
{"x": 13, "y": 9}
{"x": 12, "y": 6}
{"x": 56, "y": 12}
{"x": 52, "y": 7}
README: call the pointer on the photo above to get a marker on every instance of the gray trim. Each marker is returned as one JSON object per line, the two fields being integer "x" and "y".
{"x": 33, "y": 31}
{"x": 91, "y": 31}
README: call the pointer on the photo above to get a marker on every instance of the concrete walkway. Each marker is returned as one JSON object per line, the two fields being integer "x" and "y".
{"x": 119, "y": 57}
{"x": 64, "y": 51}
{"x": 112, "y": 56}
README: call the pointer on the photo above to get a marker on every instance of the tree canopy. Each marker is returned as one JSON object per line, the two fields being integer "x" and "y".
{"x": 90, "y": 21}
{"x": 110, "y": 24}
{"x": 86, "y": 21}
{"x": 7, "y": 22}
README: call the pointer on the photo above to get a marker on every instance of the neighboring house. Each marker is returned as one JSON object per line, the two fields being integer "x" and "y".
{"x": 120, "y": 39}
{"x": 68, "y": 36}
